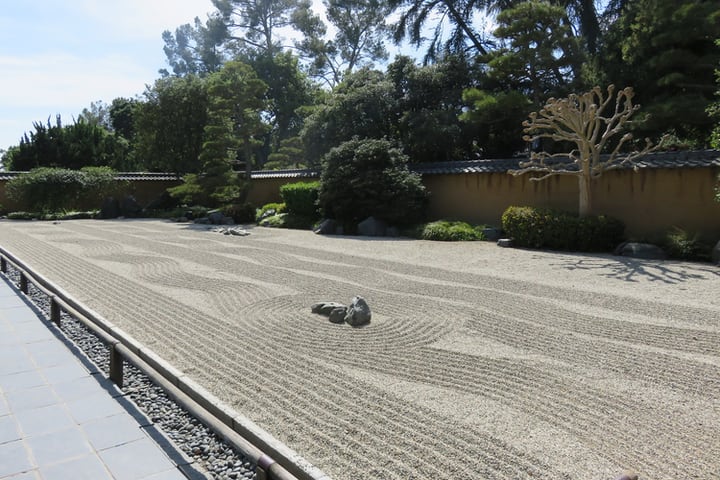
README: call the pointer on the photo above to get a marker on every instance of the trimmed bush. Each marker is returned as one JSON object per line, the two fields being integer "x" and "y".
{"x": 301, "y": 198}
{"x": 268, "y": 210}
{"x": 682, "y": 245}
{"x": 287, "y": 220}
{"x": 364, "y": 178}
{"x": 446, "y": 231}
{"x": 58, "y": 189}
{"x": 556, "y": 230}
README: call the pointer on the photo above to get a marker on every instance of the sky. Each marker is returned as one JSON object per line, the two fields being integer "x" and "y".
{"x": 58, "y": 56}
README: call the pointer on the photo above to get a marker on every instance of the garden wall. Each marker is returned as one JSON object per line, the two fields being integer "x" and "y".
{"x": 649, "y": 201}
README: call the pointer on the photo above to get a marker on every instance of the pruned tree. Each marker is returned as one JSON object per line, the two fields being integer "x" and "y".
{"x": 590, "y": 122}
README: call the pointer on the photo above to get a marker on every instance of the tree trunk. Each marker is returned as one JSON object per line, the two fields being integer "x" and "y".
{"x": 585, "y": 188}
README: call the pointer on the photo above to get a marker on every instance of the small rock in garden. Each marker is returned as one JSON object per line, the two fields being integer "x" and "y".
{"x": 337, "y": 315}
{"x": 645, "y": 251}
{"x": 358, "y": 313}
{"x": 505, "y": 242}
{"x": 325, "y": 308}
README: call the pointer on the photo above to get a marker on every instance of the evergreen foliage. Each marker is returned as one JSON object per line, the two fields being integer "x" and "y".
{"x": 363, "y": 178}
{"x": 556, "y": 230}
{"x": 47, "y": 189}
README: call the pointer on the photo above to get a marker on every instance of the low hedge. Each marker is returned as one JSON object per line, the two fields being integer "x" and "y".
{"x": 443, "y": 230}
{"x": 557, "y": 230}
{"x": 301, "y": 198}
{"x": 47, "y": 189}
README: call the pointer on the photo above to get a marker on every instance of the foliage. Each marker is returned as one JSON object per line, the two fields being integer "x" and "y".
{"x": 194, "y": 49}
{"x": 443, "y": 230}
{"x": 73, "y": 146}
{"x": 539, "y": 54}
{"x": 682, "y": 245}
{"x": 359, "y": 27}
{"x": 57, "y": 189}
{"x": 269, "y": 209}
{"x": 464, "y": 36}
{"x": 428, "y": 105}
{"x": 236, "y": 98}
{"x": 589, "y": 123}
{"x": 555, "y": 230}
{"x": 288, "y": 220}
{"x": 301, "y": 198}
{"x": 240, "y": 213}
{"x": 363, "y": 178}
{"x": 496, "y": 120}
{"x": 170, "y": 123}
{"x": 666, "y": 48}
{"x": 713, "y": 111}
{"x": 361, "y": 106}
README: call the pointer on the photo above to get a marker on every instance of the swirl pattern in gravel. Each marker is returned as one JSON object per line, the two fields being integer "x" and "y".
{"x": 479, "y": 363}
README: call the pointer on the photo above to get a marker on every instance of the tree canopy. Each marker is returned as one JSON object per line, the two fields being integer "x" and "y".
{"x": 328, "y": 77}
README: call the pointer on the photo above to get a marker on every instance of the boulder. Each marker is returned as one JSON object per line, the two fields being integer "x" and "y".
{"x": 216, "y": 217}
{"x": 337, "y": 315}
{"x": 325, "y": 308}
{"x": 110, "y": 208}
{"x": 358, "y": 313}
{"x": 505, "y": 242}
{"x": 326, "y": 227}
{"x": 129, "y": 207}
{"x": 372, "y": 227}
{"x": 716, "y": 253}
{"x": 645, "y": 251}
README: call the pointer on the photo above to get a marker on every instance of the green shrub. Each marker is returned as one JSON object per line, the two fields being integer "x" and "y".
{"x": 443, "y": 230}
{"x": 269, "y": 209}
{"x": 301, "y": 198}
{"x": 240, "y": 213}
{"x": 681, "y": 245}
{"x": 21, "y": 216}
{"x": 363, "y": 178}
{"x": 57, "y": 189}
{"x": 288, "y": 220}
{"x": 546, "y": 228}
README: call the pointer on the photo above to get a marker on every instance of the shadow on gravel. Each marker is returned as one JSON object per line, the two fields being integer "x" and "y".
{"x": 634, "y": 269}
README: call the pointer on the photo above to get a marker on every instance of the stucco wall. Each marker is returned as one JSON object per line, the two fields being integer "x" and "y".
{"x": 649, "y": 201}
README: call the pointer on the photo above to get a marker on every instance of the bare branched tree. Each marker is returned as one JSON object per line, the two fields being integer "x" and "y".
{"x": 590, "y": 122}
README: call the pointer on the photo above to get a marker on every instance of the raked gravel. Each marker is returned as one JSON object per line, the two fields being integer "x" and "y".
{"x": 479, "y": 363}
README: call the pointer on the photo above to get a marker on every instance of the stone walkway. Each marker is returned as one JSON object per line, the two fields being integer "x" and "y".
{"x": 60, "y": 418}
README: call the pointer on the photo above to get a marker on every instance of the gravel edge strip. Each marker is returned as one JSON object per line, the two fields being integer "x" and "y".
{"x": 211, "y": 454}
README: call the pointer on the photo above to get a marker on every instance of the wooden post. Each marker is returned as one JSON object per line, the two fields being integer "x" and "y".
{"x": 54, "y": 311}
{"x": 23, "y": 283}
{"x": 116, "y": 366}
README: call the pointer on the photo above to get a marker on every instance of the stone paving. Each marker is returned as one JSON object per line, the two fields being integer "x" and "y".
{"x": 60, "y": 418}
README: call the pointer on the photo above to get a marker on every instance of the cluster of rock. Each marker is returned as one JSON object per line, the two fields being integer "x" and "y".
{"x": 370, "y": 227}
{"x": 356, "y": 315}
{"x": 215, "y": 217}
{"x": 236, "y": 231}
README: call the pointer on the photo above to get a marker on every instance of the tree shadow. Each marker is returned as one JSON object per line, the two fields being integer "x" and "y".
{"x": 635, "y": 269}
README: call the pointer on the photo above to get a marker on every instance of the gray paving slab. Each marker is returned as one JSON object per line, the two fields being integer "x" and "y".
{"x": 60, "y": 419}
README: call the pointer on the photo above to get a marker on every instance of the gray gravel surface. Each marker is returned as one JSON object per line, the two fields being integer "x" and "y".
{"x": 479, "y": 362}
